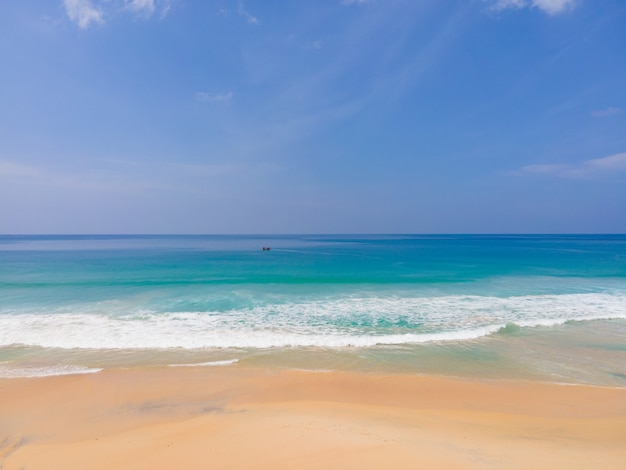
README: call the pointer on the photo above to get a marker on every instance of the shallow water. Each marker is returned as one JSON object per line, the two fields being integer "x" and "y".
{"x": 538, "y": 307}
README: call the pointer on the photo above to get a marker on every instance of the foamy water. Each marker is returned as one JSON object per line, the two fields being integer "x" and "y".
{"x": 535, "y": 306}
{"x": 226, "y": 362}
{"x": 331, "y": 323}
{"x": 12, "y": 371}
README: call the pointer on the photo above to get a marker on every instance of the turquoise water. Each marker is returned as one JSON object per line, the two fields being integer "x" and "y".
{"x": 545, "y": 307}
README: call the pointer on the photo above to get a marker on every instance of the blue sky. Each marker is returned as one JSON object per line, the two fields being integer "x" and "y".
{"x": 381, "y": 116}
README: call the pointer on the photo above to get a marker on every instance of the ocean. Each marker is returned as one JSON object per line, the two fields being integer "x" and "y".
{"x": 531, "y": 307}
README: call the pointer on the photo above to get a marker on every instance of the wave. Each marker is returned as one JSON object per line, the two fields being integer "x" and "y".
{"x": 328, "y": 323}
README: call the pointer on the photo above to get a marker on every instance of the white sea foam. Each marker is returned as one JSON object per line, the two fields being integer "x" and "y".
{"x": 8, "y": 372}
{"x": 337, "y": 322}
{"x": 226, "y": 362}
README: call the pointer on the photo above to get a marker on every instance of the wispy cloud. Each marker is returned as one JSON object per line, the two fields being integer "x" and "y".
{"x": 601, "y": 113}
{"x": 87, "y": 12}
{"x": 145, "y": 7}
{"x": 554, "y": 7}
{"x": 594, "y": 168}
{"x": 245, "y": 14}
{"x": 208, "y": 97}
{"x": 551, "y": 7}
{"x": 83, "y": 13}
{"x": 114, "y": 179}
{"x": 498, "y": 5}
{"x": 10, "y": 169}
{"x": 165, "y": 6}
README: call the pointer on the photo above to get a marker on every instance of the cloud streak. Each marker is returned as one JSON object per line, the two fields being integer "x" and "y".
{"x": 594, "y": 168}
{"x": 115, "y": 179}
{"x": 244, "y": 13}
{"x": 551, "y": 7}
{"x": 602, "y": 113}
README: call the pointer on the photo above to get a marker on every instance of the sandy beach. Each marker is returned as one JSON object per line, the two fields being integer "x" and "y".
{"x": 235, "y": 417}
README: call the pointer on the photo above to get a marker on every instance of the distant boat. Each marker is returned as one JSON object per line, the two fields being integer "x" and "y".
{"x": 266, "y": 248}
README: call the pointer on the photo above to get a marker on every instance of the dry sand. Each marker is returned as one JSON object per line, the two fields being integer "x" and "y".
{"x": 233, "y": 417}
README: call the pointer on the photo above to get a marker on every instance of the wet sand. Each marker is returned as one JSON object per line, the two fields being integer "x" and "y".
{"x": 237, "y": 417}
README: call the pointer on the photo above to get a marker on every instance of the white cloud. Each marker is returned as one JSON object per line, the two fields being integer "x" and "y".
{"x": 86, "y": 12}
{"x": 206, "y": 97}
{"x": 600, "y": 113}
{"x": 554, "y": 7}
{"x": 141, "y": 6}
{"x": 551, "y": 7}
{"x": 615, "y": 162}
{"x": 504, "y": 4}
{"x": 249, "y": 18}
{"x": 83, "y": 13}
{"x": 594, "y": 168}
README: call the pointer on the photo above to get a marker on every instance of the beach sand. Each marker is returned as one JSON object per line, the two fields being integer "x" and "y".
{"x": 236, "y": 417}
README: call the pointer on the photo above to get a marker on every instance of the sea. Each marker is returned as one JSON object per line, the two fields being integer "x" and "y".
{"x": 514, "y": 307}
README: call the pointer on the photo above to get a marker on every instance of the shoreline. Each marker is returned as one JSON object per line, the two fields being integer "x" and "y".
{"x": 242, "y": 417}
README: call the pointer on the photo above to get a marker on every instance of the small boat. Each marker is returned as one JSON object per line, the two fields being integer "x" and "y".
{"x": 266, "y": 248}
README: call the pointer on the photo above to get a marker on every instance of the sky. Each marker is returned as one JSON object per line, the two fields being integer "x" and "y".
{"x": 312, "y": 116}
